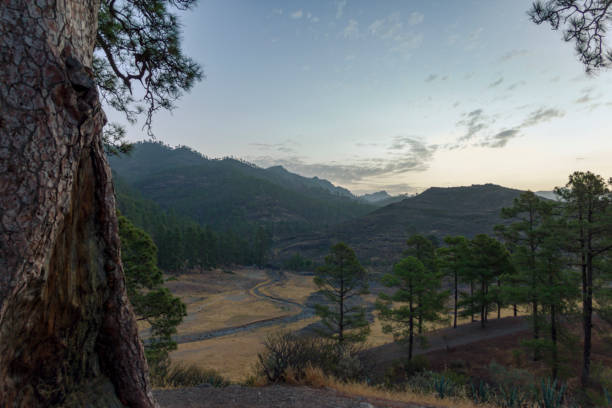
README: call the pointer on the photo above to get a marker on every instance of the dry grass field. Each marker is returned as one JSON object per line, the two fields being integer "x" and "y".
{"x": 234, "y": 355}
{"x": 220, "y": 299}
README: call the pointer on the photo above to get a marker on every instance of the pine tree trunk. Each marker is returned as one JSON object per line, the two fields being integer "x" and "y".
{"x": 587, "y": 321}
{"x": 553, "y": 338}
{"x": 455, "y": 308}
{"x": 68, "y": 336}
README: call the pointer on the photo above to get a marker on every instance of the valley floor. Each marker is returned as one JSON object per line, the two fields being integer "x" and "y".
{"x": 230, "y": 314}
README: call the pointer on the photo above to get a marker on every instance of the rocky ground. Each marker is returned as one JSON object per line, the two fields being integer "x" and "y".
{"x": 277, "y": 396}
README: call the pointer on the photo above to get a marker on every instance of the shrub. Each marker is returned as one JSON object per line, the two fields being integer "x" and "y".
{"x": 401, "y": 371}
{"x": 182, "y": 375}
{"x": 289, "y": 358}
{"x": 508, "y": 377}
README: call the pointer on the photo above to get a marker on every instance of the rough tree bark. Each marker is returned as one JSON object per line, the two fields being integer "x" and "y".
{"x": 68, "y": 336}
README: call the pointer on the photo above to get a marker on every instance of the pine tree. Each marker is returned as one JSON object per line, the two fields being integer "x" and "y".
{"x": 152, "y": 302}
{"x": 341, "y": 280}
{"x": 425, "y": 251}
{"x": 419, "y": 296}
{"x": 489, "y": 261}
{"x": 524, "y": 236}
{"x": 453, "y": 259}
{"x": 588, "y": 214}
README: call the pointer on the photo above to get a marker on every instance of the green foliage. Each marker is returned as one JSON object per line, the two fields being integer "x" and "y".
{"x": 444, "y": 387}
{"x": 418, "y": 295}
{"x": 298, "y": 263}
{"x": 480, "y": 392}
{"x": 587, "y": 213}
{"x": 536, "y": 239}
{"x": 185, "y": 244}
{"x": 233, "y": 195}
{"x": 341, "y": 279}
{"x": 489, "y": 261}
{"x": 551, "y": 394}
{"x": 152, "y": 302}
{"x": 139, "y": 42}
{"x": 511, "y": 397}
{"x": 453, "y": 261}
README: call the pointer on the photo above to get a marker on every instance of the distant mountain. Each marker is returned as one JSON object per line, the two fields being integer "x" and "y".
{"x": 379, "y": 237}
{"x": 381, "y": 198}
{"x": 294, "y": 181}
{"x": 233, "y": 194}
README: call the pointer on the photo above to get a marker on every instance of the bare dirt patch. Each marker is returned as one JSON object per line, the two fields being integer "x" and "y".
{"x": 276, "y": 396}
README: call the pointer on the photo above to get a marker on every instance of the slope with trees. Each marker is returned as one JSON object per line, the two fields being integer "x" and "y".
{"x": 379, "y": 237}
{"x": 230, "y": 194}
{"x": 417, "y": 298}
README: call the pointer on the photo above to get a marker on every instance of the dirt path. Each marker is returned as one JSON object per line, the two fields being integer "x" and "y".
{"x": 276, "y": 396}
{"x": 275, "y": 277}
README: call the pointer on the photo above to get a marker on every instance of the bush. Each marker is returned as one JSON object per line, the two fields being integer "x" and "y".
{"x": 182, "y": 375}
{"x": 288, "y": 358}
{"x": 508, "y": 377}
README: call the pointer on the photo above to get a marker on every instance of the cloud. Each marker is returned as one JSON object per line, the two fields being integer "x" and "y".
{"x": 473, "y": 38}
{"x": 297, "y": 14}
{"x": 500, "y": 139}
{"x": 288, "y": 146}
{"x": 416, "y": 18}
{"x": 278, "y": 12}
{"x": 513, "y": 54}
{"x": 351, "y": 31}
{"x": 587, "y": 96}
{"x": 376, "y": 27}
{"x": 393, "y": 30}
{"x": 477, "y": 123}
{"x": 406, "y": 154}
{"x": 541, "y": 115}
{"x": 431, "y": 78}
{"x": 340, "y": 8}
{"x": 515, "y": 85}
{"x": 496, "y": 83}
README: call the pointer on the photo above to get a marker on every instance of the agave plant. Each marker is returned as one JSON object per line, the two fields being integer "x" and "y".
{"x": 511, "y": 397}
{"x": 443, "y": 386}
{"x": 552, "y": 394}
{"x": 480, "y": 393}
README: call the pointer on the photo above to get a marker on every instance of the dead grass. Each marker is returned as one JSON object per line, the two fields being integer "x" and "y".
{"x": 232, "y": 356}
{"x": 314, "y": 377}
{"x": 296, "y": 288}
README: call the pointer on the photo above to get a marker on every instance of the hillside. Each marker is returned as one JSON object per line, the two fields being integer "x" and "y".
{"x": 232, "y": 194}
{"x": 380, "y": 235}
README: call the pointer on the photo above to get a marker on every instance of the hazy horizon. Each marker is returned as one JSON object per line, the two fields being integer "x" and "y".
{"x": 396, "y": 96}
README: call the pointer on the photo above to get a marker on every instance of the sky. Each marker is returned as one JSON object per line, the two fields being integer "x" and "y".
{"x": 395, "y": 95}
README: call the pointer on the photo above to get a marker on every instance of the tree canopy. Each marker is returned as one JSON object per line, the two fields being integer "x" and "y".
{"x": 139, "y": 43}
{"x": 585, "y": 22}
{"x": 340, "y": 280}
